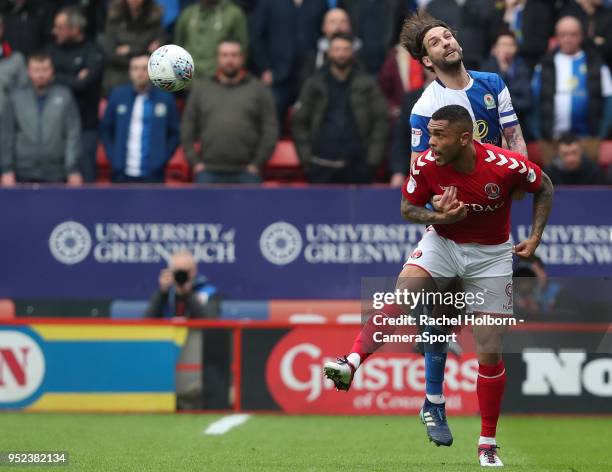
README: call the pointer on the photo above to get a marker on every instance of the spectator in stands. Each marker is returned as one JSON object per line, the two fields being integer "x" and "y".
{"x": 532, "y": 22}
{"x": 284, "y": 32}
{"x": 13, "y": 72}
{"x": 182, "y": 292}
{"x": 41, "y": 130}
{"x": 140, "y": 128}
{"x": 201, "y": 27}
{"x": 571, "y": 166}
{"x": 341, "y": 121}
{"x": 401, "y": 147}
{"x": 377, "y": 23}
{"x": 133, "y": 28}
{"x": 400, "y": 74}
{"x": 474, "y": 21}
{"x": 78, "y": 65}
{"x": 534, "y": 293}
{"x": 569, "y": 85}
{"x": 25, "y": 24}
{"x": 515, "y": 73}
{"x": 596, "y": 21}
{"x": 232, "y": 116}
{"x": 335, "y": 21}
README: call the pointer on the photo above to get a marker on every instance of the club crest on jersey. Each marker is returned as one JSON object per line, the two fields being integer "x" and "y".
{"x": 416, "y": 254}
{"x": 411, "y": 187}
{"x": 531, "y": 176}
{"x": 489, "y": 101}
{"x": 492, "y": 190}
{"x": 416, "y": 136}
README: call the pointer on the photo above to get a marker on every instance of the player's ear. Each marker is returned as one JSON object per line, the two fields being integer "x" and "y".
{"x": 466, "y": 138}
{"x": 427, "y": 62}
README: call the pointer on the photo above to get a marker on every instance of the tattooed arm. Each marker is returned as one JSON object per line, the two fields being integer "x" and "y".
{"x": 542, "y": 203}
{"x": 515, "y": 140}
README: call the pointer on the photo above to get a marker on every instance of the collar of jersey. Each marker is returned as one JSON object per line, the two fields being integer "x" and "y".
{"x": 467, "y": 87}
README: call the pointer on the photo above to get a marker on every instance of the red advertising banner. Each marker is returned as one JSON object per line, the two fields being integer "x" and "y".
{"x": 387, "y": 383}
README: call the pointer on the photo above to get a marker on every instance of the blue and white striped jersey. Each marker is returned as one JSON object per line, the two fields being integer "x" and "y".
{"x": 486, "y": 98}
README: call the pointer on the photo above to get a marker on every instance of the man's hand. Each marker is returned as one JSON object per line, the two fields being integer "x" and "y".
{"x": 153, "y": 46}
{"x": 83, "y": 73}
{"x": 252, "y": 169}
{"x": 75, "y": 179}
{"x": 199, "y": 167}
{"x": 166, "y": 279}
{"x": 397, "y": 180}
{"x": 124, "y": 50}
{"x": 267, "y": 78}
{"x": 450, "y": 209}
{"x": 8, "y": 179}
{"x": 527, "y": 248}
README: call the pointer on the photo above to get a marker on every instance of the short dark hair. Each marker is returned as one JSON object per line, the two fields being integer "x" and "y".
{"x": 568, "y": 138}
{"x": 341, "y": 35}
{"x": 413, "y": 33}
{"x": 505, "y": 32}
{"x": 39, "y": 56}
{"x": 76, "y": 17}
{"x": 230, "y": 40}
{"x": 456, "y": 115}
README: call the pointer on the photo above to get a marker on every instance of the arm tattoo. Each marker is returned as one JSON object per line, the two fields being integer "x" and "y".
{"x": 542, "y": 203}
{"x": 515, "y": 140}
{"x": 418, "y": 214}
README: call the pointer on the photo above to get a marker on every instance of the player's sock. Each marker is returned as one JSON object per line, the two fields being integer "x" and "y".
{"x": 435, "y": 363}
{"x": 355, "y": 359}
{"x": 364, "y": 344}
{"x": 483, "y": 440}
{"x": 490, "y": 390}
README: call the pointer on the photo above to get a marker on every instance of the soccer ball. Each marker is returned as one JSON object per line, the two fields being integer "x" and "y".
{"x": 170, "y": 68}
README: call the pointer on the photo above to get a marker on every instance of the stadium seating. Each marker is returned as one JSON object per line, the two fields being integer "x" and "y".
{"x": 284, "y": 165}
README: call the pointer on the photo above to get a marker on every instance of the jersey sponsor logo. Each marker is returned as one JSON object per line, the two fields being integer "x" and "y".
{"x": 416, "y": 254}
{"x": 481, "y": 129}
{"x": 416, "y": 136}
{"x": 489, "y": 101}
{"x": 411, "y": 187}
{"x": 484, "y": 208}
{"x": 531, "y": 176}
{"x": 492, "y": 190}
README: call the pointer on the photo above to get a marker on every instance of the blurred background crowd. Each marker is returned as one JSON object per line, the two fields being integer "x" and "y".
{"x": 309, "y": 91}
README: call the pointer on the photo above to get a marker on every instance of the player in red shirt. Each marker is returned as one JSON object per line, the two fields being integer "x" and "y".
{"x": 469, "y": 237}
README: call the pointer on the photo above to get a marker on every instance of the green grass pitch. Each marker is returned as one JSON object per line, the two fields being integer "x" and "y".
{"x": 100, "y": 442}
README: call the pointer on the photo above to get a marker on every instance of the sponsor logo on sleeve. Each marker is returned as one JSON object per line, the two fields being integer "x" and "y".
{"x": 411, "y": 187}
{"x": 416, "y": 136}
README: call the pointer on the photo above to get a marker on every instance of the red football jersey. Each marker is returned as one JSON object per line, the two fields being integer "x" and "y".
{"x": 487, "y": 191}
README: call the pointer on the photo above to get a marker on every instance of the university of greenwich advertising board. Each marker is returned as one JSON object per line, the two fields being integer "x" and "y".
{"x": 252, "y": 243}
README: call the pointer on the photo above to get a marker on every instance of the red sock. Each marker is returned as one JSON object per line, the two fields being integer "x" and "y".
{"x": 364, "y": 343}
{"x": 490, "y": 390}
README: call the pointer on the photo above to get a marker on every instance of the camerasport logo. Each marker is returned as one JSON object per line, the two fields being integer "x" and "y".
{"x": 22, "y": 366}
{"x": 387, "y": 383}
{"x": 70, "y": 242}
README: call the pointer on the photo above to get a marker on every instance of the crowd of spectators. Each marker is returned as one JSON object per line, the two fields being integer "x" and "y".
{"x": 327, "y": 74}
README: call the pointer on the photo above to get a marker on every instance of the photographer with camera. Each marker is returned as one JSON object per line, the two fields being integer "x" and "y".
{"x": 182, "y": 292}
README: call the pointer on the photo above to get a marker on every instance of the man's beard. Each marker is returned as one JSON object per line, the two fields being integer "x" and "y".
{"x": 341, "y": 65}
{"x": 447, "y": 66}
{"x": 231, "y": 73}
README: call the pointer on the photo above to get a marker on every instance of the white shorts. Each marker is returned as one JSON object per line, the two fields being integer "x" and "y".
{"x": 484, "y": 269}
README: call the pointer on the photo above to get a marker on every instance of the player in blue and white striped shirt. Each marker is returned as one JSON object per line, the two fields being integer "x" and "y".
{"x": 483, "y": 94}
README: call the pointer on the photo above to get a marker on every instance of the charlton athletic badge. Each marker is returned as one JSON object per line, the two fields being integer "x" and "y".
{"x": 492, "y": 190}
{"x": 416, "y": 254}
